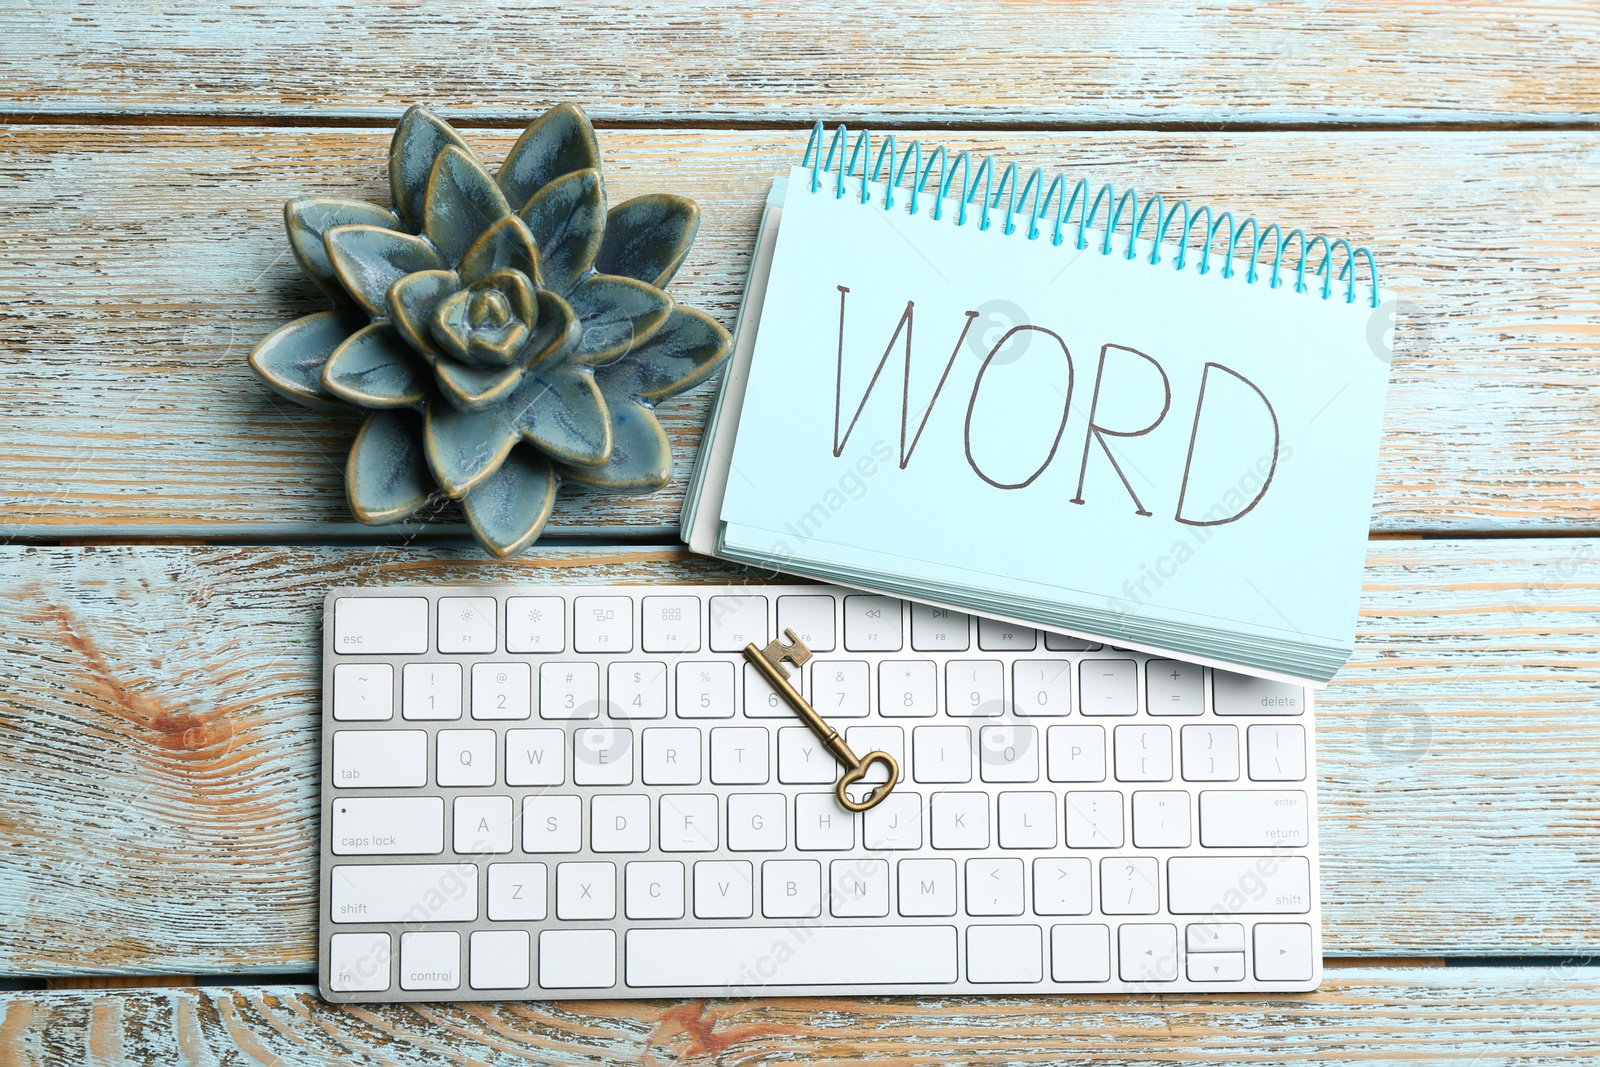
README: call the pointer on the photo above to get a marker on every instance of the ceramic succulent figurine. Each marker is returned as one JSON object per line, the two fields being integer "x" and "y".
{"x": 502, "y": 332}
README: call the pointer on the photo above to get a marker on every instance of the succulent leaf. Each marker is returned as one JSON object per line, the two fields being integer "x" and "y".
{"x": 291, "y": 358}
{"x": 567, "y": 218}
{"x": 462, "y": 202}
{"x": 386, "y": 477}
{"x": 307, "y": 218}
{"x": 508, "y": 509}
{"x": 411, "y": 302}
{"x": 561, "y": 411}
{"x": 647, "y": 237}
{"x": 556, "y": 335}
{"x": 641, "y": 457}
{"x": 369, "y": 259}
{"x": 375, "y": 368}
{"x": 688, "y": 348}
{"x": 471, "y": 388}
{"x": 506, "y": 245}
{"x": 464, "y": 448}
{"x": 617, "y": 314}
{"x": 559, "y": 142}
{"x": 417, "y": 142}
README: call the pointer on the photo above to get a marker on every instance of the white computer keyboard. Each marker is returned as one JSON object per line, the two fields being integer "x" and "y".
{"x": 585, "y": 792}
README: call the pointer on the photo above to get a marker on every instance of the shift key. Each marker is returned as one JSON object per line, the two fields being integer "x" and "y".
{"x": 1239, "y": 885}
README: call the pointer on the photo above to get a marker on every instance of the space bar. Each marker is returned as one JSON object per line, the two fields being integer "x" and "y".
{"x": 753, "y": 957}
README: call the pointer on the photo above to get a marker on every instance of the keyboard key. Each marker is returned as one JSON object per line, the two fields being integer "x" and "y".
{"x": 739, "y": 755}
{"x": 397, "y": 892}
{"x": 364, "y": 692}
{"x": 1216, "y": 967}
{"x": 1129, "y": 885}
{"x": 841, "y": 689}
{"x": 380, "y": 759}
{"x": 1005, "y": 954}
{"x": 818, "y": 955}
{"x": 908, "y": 688}
{"x": 1211, "y": 753}
{"x": 670, "y": 623}
{"x": 960, "y": 820}
{"x": 602, "y": 756}
{"x": 498, "y": 959}
{"x": 482, "y": 825}
{"x": 1147, "y": 952}
{"x": 1076, "y": 753}
{"x": 1054, "y": 642}
{"x": 569, "y": 690}
{"x": 1173, "y": 688}
{"x": 705, "y": 690}
{"x": 671, "y": 756}
{"x": 762, "y": 700}
{"x": 1094, "y": 820}
{"x": 723, "y": 889}
{"x": 387, "y": 826}
{"x": 378, "y": 626}
{"x": 1108, "y": 686}
{"x": 430, "y": 691}
{"x": 1160, "y": 819}
{"x": 620, "y": 823}
{"x": 997, "y": 636}
{"x": 1144, "y": 753}
{"x": 939, "y": 629}
{"x": 1009, "y": 753}
{"x": 637, "y": 690}
{"x": 1061, "y": 886}
{"x": 872, "y": 624}
{"x": 517, "y": 892}
{"x": 941, "y": 754}
{"x": 552, "y": 824}
{"x": 602, "y": 624}
{"x": 466, "y": 757}
{"x": 654, "y": 889}
{"x": 1283, "y": 952}
{"x": 467, "y": 624}
{"x": 358, "y": 963}
{"x": 688, "y": 822}
{"x": 535, "y": 757}
{"x": 1080, "y": 953}
{"x": 820, "y": 824}
{"x": 1256, "y": 818}
{"x": 586, "y": 890}
{"x": 895, "y": 823}
{"x": 737, "y": 621}
{"x": 1028, "y": 820}
{"x": 890, "y": 739}
{"x": 430, "y": 959}
{"x": 858, "y": 888}
{"x": 975, "y": 688}
{"x": 1277, "y": 753}
{"x": 1042, "y": 686}
{"x": 757, "y": 822}
{"x": 811, "y": 617}
{"x": 803, "y": 759}
{"x": 1238, "y": 885}
{"x": 1215, "y": 937}
{"x": 577, "y": 959}
{"x": 502, "y": 691}
{"x": 927, "y": 887}
{"x": 536, "y": 624}
{"x": 791, "y": 889}
{"x": 994, "y": 886}
{"x": 1240, "y": 694}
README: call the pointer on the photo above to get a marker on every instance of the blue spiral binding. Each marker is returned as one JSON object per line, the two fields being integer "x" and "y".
{"x": 1016, "y": 200}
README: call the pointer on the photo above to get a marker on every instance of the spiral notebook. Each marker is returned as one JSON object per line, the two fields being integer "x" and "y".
{"x": 1081, "y": 409}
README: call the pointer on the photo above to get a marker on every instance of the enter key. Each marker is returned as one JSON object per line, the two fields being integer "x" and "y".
{"x": 1239, "y": 818}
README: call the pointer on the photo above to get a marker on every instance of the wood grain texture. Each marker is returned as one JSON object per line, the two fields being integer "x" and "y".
{"x": 159, "y": 753}
{"x": 921, "y": 62}
{"x": 1450, "y": 1017}
{"x": 142, "y": 264}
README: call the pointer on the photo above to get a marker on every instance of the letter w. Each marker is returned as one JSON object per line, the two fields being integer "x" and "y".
{"x": 903, "y": 326}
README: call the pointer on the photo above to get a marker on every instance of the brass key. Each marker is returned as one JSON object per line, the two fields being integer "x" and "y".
{"x": 769, "y": 661}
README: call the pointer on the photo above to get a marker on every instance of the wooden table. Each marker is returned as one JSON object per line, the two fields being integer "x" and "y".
{"x": 171, "y": 527}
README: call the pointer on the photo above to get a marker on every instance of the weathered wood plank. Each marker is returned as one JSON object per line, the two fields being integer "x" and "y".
{"x": 158, "y": 748}
{"x": 1361, "y": 1015}
{"x": 142, "y": 264}
{"x": 926, "y": 63}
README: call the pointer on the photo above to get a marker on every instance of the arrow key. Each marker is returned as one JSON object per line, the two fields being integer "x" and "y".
{"x": 1216, "y": 967}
